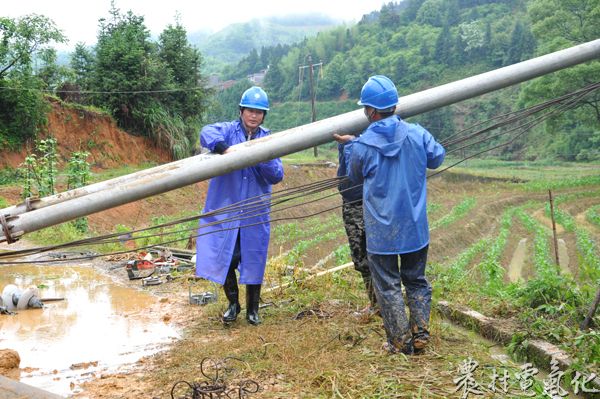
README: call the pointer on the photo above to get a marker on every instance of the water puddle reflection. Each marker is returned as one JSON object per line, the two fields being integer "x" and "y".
{"x": 97, "y": 328}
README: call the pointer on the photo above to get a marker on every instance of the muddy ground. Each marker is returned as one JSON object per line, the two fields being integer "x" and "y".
{"x": 313, "y": 341}
{"x": 335, "y": 346}
{"x": 205, "y": 335}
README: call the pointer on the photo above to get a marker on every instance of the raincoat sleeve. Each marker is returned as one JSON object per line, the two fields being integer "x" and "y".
{"x": 435, "y": 151}
{"x": 271, "y": 171}
{"x": 211, "y": 135}
{"x": 353, "y": 162}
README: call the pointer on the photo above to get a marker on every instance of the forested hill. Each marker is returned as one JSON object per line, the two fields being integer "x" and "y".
{"x": 237, "y": 40}
{"x": 424, "y": 43}
{"x": 158, "y": 87}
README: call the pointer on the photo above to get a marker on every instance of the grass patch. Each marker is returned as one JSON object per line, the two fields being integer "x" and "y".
{"x": 547, "y": 174}
{"x": 456, "y": 213}
{"x": 325, "y": 154}
{"x": 311, "y": 345}
{"x": 593, "y": 215}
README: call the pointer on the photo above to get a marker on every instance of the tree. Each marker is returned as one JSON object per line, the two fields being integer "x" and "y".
{"x": 273, "y": 81}
{"x": 331, "y": 85}
{"x": 432, "y": 12}
{"x": 82, "y": 65}
{"x": 522, "y": 44}
{"x": 23, "y": 38}
{"x": 151, "y": 89}
{"x": 183, "y": 62}
{"x": 49, "y": 72}
{"x": 410, "y": 11}
{"x": 559, "y": 24}
{"x": 125, "y": 63}
{"x": 388, "y": 17}
{"x": 443, "y": 46}
{"x": 22, "y": 106}
{"x": 571, "y": 21}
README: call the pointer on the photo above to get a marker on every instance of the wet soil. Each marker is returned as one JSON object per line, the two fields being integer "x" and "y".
{"x": 515, "y": 267}
{"x": 280, "y": 340}
{"x": 202, "y": 333}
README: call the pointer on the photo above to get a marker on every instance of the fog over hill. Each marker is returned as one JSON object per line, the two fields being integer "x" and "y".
{"x": 232, "y": 43}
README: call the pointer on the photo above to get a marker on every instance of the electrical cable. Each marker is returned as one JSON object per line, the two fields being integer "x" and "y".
{"x": 103, "y": 92}
{"x": 325, "y": 185}
{"x": 268, "y": 202}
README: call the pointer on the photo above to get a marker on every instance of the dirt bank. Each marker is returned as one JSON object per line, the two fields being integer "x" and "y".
{"x": 96, "y": 133}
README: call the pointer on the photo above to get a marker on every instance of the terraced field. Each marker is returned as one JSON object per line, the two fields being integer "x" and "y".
{"x": 491, "y": 251}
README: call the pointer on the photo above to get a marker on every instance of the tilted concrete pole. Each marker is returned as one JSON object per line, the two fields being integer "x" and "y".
{"x": 167, "y": 177}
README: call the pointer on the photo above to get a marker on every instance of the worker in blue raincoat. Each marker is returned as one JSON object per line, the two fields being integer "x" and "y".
{"x": 238, "y": 238}
{"x": 390, "y": 158}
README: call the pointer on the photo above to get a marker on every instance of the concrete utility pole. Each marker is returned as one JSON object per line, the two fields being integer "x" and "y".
{"x": 98, "y": 197}
{"x": 313, "y": 94}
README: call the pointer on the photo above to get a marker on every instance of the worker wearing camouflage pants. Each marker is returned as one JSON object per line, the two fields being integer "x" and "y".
{"x": 390, "y": 161}
{"x": 352, "y": 214}
{"x": 354, "y": 224}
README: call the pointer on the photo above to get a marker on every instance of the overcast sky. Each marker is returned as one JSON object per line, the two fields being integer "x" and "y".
{"x": 78, "y": 19}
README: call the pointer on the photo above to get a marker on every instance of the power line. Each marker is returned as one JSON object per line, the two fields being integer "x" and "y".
{"x": 266, "y": 203}
{"x": 103, "y": 92}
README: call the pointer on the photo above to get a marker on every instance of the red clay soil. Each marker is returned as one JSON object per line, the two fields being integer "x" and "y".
{"x": 111, "y": 147}
{"x": 96, "y": 133}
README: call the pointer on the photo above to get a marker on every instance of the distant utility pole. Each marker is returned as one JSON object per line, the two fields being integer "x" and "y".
{"x": 311, "y": 67}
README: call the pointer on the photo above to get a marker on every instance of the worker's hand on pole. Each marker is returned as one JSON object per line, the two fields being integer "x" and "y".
{"x": 343, "y": 139}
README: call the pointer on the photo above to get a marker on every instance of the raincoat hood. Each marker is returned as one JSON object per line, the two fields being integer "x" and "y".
{"x": 387, "y": 136}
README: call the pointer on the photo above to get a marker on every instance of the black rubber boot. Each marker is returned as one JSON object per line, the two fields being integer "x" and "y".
{"x": 252, "y": 302}
{"x": 232, "y": 293}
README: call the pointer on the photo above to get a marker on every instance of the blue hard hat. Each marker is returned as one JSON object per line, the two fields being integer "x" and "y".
{"x": 256, "y": 98}
{"x": 379, "y": 92}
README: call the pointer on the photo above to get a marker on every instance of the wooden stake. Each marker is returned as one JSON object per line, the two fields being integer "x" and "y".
{"x": 590, "y": 314}
{"x": 554, "y": 229}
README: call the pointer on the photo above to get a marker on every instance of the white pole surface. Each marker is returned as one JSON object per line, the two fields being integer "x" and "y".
{"x": 100, "y": 196}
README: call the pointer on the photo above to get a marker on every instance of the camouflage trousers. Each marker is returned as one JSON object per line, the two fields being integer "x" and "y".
{"x": 352, "y": 214}
{"x": 388, "y": 279}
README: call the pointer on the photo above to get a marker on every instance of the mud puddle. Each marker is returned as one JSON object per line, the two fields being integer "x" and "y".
{"x": 99, "y": 327}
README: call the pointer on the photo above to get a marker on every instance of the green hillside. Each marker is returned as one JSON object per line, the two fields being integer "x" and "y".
{"x": 425, "y": 43}
{"x": 158, "y": 87}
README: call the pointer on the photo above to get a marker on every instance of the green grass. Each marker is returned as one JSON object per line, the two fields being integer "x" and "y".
{"x": 593, "y": 215}
{"x": 118, "y": 172}
{"x": 289, "y": 232}
{"x": 550, "y": 304}
{"x": 589, "y": 259}
{"x": 455, "y": 279}
{"x": 456, "y": 213}
{"x": 490, "y": 266}
{"x": 539, "y": 175}
{"x": 325, "y": 153}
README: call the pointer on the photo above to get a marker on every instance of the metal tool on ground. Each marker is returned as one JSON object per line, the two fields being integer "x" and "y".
{"x": 139, "y": 269}
{"x": 202, "y": 298}
{"x": 153, "y": 280}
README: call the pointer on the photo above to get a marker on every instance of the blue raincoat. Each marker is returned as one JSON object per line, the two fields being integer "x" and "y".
{"x": 215, "y": 250}
{"x": 391, "y": 158}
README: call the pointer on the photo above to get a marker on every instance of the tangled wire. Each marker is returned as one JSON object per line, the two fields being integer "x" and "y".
{"x": 215, "y": 386}
{"x": 508, "y": 127}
